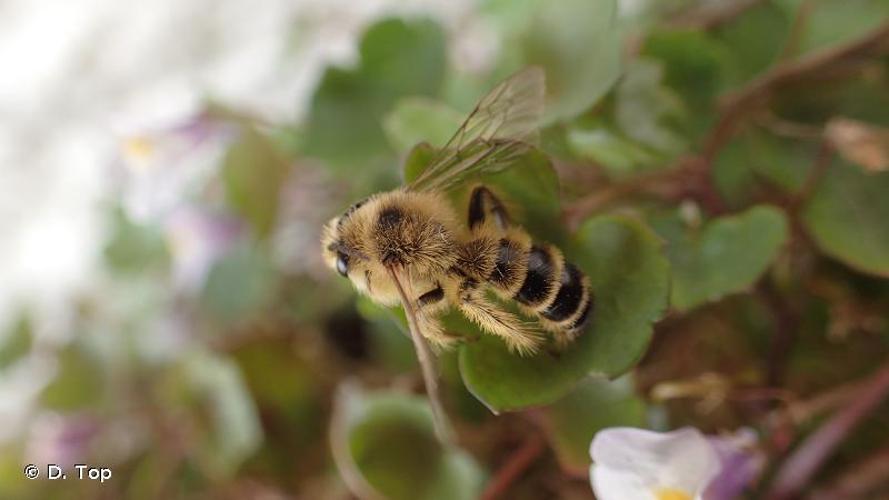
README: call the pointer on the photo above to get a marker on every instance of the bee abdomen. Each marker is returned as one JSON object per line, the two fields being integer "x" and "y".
{"x": 556, "y": 290}
{"x": 568, "y": 298}
{"x": 542, "y": 277}
{"x": 510, "y": 267}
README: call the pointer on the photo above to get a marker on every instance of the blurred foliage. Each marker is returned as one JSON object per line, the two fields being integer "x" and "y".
{"x": 738, "y": 262}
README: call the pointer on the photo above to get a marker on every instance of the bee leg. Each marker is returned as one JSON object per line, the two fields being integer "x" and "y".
{"x": 470, "y": 300}
{"x": 429, "y": 306}
{"x": 482, "y": 202}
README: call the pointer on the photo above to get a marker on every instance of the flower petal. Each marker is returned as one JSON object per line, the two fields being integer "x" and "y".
{"x": 681, "y": 459}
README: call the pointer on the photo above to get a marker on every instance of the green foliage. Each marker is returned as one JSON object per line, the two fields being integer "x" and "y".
{"x": 847, "y": 216}
{"x": 386, "y": 441}
{"x": 134, "y": 247}
{"x": 253, "y": 172}
{"x": 754, "y": 157}
{"x": 16, "y": 341}
{"x": 417, "y": 119}
{"x": 577, "y": 42}
{"x": 231, "y": 430}
{"x": 644, "y": 109}
{"x": 238, "y": 283}
{"x": 770, "y": 250}
{"x": 398, "y": 59}
{"x": 754, "y": 40}
{"x": 692, "y": 62}
{"x": 720, "y": 256}
{"x": 78, "y": 383}
{"x": 629, "y": 277}
{"x": 594, "y": 405}
{"x": 835, "y": 21}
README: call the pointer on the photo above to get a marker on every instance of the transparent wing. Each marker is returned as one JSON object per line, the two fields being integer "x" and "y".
{"x": 502, "y": 126}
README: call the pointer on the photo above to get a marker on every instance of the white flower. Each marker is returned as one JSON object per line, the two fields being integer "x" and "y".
{"x": 638, "y": 464}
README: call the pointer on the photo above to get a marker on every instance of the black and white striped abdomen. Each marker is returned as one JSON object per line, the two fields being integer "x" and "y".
{"x": 538, "y": 277}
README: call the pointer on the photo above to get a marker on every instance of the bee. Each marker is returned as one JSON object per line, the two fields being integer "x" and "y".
{"x": 409, "y": 247}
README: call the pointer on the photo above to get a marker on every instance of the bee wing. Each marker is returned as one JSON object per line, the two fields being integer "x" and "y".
{"x": 502, "y": 126}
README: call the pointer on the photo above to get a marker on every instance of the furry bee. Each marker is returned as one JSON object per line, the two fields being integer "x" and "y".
{"x": 408, "y": 246}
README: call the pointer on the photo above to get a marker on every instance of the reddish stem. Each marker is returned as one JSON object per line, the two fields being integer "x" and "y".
{"x": 514, "y": 467}
{"x": 799, "y": 468}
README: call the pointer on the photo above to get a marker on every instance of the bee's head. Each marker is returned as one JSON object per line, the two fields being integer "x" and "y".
{"x": 340, "y": 247}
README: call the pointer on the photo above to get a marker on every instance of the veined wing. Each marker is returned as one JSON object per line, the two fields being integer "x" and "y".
{"x": 502, "y": 126}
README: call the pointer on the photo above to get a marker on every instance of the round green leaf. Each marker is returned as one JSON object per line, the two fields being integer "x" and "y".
{"x": 418, "y": 119}
{"x": 16, "y": 341}
{"x": 594, "y": 405}
{"x": 253, "y": 172}
{"x": 385, "y": 442}
{"x": 232, "y": 431}
{"x": 79, "y": 382}
{"x": 398, "y": 59}
{"x": 578, "y": 45}
{"x": 238, "y": 284}
{"x": 724, "y": 256}
{"x": 848, "y": 216}
{"x": 629, "y": 277}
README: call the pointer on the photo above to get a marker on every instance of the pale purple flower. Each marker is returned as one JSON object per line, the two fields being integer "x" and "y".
{"x": 740, "y": 464}
{"x": 61, "y": 439}
{"x": 680, "y": 465}
{"x": 164, "y": 168}
{"x": 197, "y": 237}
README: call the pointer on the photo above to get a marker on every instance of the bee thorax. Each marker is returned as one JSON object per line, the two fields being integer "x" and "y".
{"x": 410, "y": 239}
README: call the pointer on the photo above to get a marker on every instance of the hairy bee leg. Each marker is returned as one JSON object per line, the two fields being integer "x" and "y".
{"x": 429, "y": 306}
{"x": 434, "y": 332}
{"x": 481, "y": 202}
{"x": 501, "y": 323}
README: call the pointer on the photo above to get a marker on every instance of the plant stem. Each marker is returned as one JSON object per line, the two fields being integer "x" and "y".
{"x": 517, "y": 463}
{"x": 800, "y": 467}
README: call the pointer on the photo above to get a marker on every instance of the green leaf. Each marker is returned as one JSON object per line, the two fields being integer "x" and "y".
{"x": 417, "y": 119}
{"x": 724, "y": 256}
{"x": 629, "y": 277}
{"x": 238, "y": 284}
{"x": 78, "y": 384}
{"x": 835, "y": 21}
{"x": 253, "y": 172}
{"x": 16, "y": 341}
{"x": 233, "y": 432}
{"x": 754, "y": 40}
{"x": 692, "y": 64}
{"x": 134, "y": 247}
{"x": 644, "y": 108}
{"x": 620, "y": 156}
{"x": 398, "y": 59}
{"x": 594, "y": 405}
{"x": 385, "y": 442}
{"x": 848, "y": 216}
{"x": 417, "y": 160}
{"x": 578, "y": 45}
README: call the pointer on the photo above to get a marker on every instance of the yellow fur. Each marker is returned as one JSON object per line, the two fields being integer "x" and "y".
{"x": 419, "y": 233}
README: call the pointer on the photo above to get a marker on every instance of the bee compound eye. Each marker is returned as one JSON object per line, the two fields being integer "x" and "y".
{"x": 342, "y": 263}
